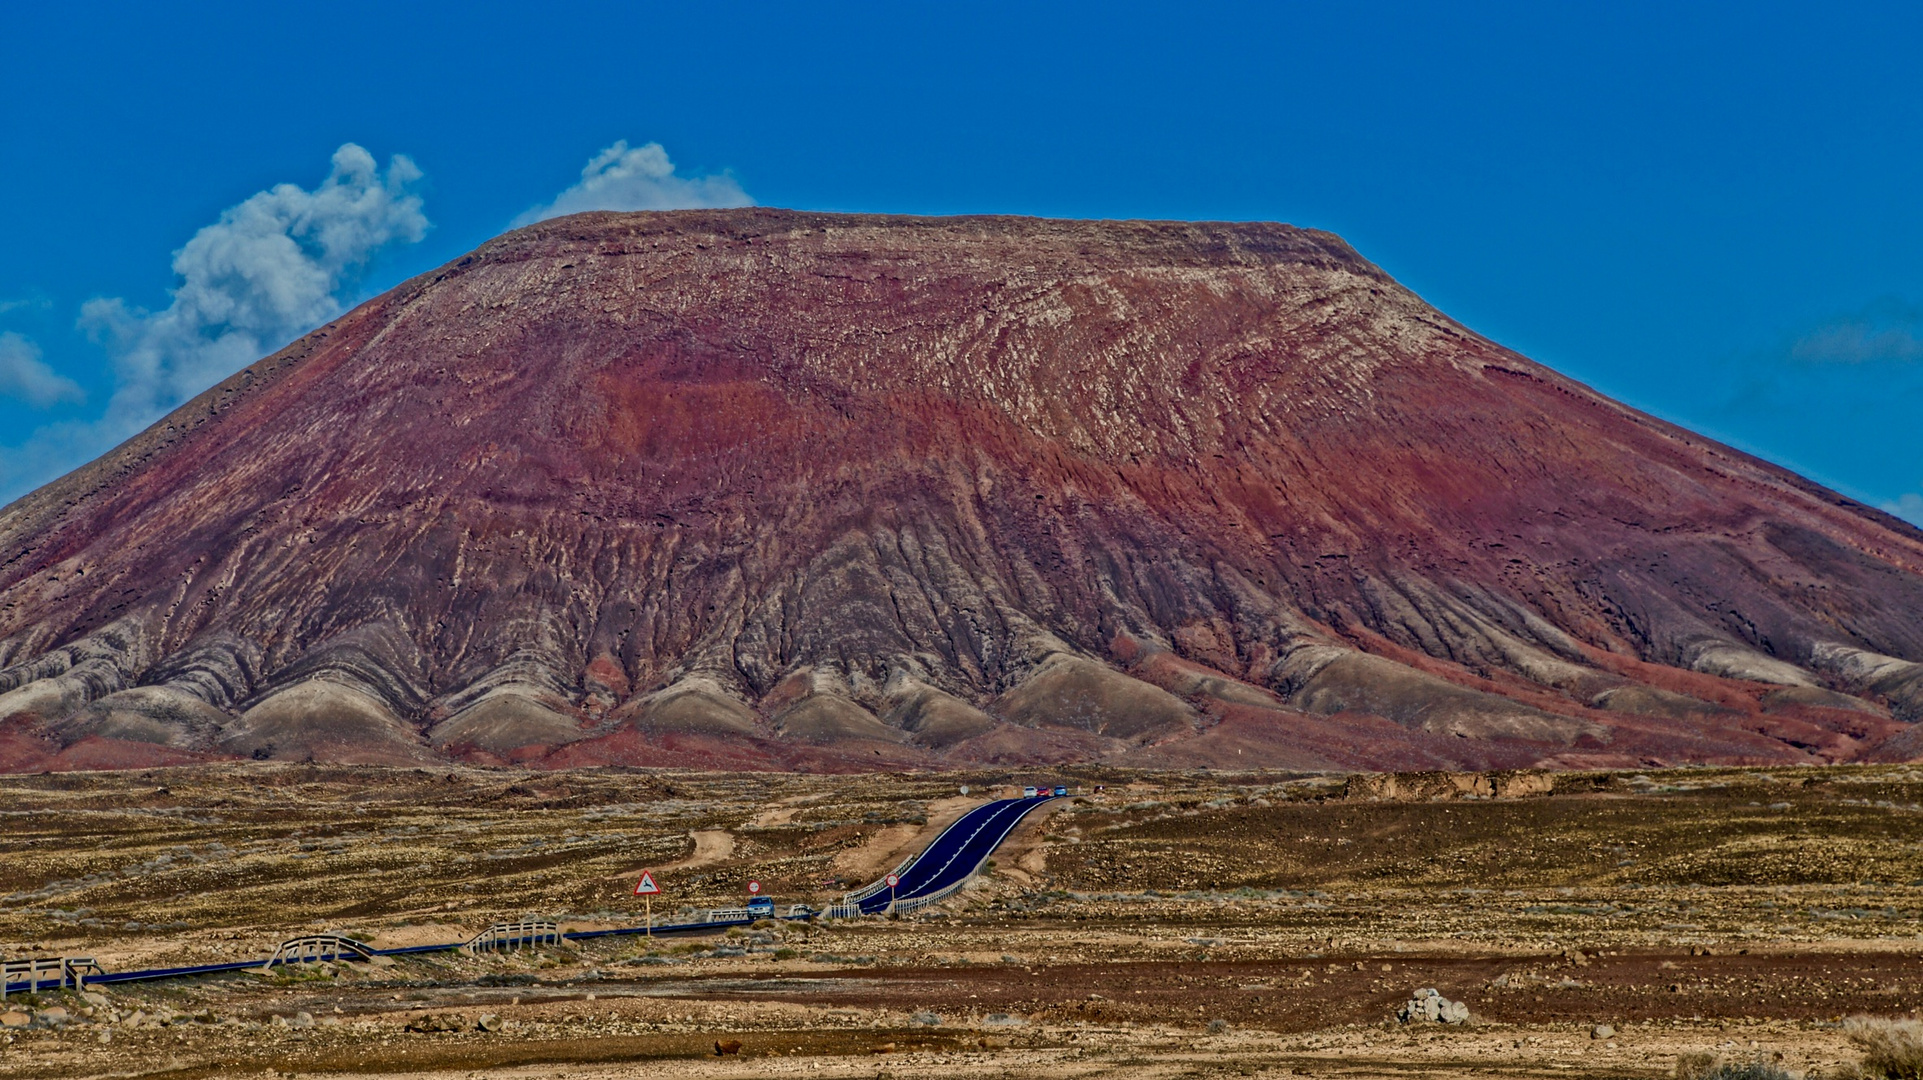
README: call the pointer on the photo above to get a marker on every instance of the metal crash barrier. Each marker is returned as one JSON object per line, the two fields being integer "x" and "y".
{"x": 849, "y": 906}
{"x": 742, "y": 914}
{"x": 916, "y": 903}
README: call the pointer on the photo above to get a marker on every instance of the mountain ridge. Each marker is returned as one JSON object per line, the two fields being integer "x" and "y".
{"x": 777, "y": 489}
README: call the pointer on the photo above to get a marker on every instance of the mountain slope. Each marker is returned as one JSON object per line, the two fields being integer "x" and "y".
{"x": 766, "y": 489}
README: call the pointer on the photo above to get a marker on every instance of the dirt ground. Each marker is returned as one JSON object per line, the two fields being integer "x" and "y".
{"x": 1178, "y": 925}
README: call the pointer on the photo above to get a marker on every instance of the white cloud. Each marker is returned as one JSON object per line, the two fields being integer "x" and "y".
{"x": 1909, "y": 507}
{"x": 641, "y": 178}
{"x": 266, "y": 272}
{"x": 15, "y": 303}
{"x": 272, "y": 268}
{"x": 26, "y": 377}
{"x": 1885, "y": 330}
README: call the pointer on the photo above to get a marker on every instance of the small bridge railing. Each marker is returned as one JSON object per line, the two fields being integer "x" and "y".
{"x": 741, "y": 914}
{"x": 515, "y": 935}
{"x": 315, "y": 948}
{"x": 47, "y": 973}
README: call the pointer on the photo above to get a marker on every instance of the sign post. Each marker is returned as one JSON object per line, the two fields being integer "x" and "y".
{"x": 646, "y": 888}
{"x": 893, "y": 880}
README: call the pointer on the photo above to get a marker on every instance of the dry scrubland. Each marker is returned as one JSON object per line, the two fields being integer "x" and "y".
{"x": 1175, "y": 925}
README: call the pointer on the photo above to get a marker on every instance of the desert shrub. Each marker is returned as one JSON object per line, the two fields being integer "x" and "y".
{"x": 1892, "y": 1049}
{"x": 1695, "y": 1066}
{"x": 296, "y": 974}
{"x": 1706, "y": 1066}
{"x": 1749, "y": 1070}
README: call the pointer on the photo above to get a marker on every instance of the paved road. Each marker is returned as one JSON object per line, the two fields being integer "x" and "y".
{"x": 958, "y": 852}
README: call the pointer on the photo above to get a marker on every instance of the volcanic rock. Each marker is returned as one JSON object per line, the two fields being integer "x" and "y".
{"x": 1429, "y": 1006}
{"x": 776, "y": 490}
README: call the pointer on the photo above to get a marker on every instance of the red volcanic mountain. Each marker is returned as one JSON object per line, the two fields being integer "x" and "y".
{"x": 762, "y": 489}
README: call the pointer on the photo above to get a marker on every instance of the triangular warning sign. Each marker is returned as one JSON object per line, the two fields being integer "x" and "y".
{"x": 646, "y": 885}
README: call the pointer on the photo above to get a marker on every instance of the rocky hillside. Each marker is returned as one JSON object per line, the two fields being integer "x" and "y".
{"x": 762, "y": 489}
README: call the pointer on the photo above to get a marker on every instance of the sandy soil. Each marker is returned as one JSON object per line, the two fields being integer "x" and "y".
{"x": 1024, "y": 855}
{"x": 1168, "y": 1053}
{"x": 1742, "y": 913}
{"x": 401, "y": 937}
{"x": 886, "y": 848}
{"x": 710, "y": 846}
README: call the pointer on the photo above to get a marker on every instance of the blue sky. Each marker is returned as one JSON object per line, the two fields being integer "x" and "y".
{"x": 1712, "y": 212}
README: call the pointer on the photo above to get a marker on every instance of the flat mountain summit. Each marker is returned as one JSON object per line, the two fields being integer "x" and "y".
{"x": 774, "y": 490}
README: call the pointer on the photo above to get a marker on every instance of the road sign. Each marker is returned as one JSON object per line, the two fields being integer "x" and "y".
{"x": 893, "y": 880}
{"x": 754, "y": 888}
{"x": 646, "y": 889}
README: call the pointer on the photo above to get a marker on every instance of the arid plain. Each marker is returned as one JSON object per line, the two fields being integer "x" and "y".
{"x": 1596, "y": 924}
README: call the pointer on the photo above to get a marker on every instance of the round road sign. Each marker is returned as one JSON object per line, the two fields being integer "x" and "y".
{"x": 893, "y": 880}
{"x": 754, "y": 888}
